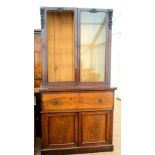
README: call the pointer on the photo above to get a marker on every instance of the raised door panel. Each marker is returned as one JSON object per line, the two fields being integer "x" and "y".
{"x": 96, "y": 128}
{"x": 59, "y": 130}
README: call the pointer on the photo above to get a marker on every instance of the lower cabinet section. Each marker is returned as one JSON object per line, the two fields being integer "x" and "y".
{"x": 76, "y": 132}
{"x": 76, "y": 122}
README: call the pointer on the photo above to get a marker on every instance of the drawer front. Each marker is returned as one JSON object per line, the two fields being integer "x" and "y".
{"x": 77, "y": 101}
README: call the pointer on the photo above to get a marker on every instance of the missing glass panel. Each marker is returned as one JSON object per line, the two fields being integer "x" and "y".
{"x": 92, "y": 45}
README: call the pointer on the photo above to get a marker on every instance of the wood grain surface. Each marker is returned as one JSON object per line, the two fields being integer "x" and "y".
{"x": 60, "y": 31}
{"x": 37, "y": 59}
{"x": 68, "y": 101}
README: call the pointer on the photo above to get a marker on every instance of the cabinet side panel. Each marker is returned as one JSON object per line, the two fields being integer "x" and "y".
{"x": 44, "y": 140}
{"x": 37, "y": 59}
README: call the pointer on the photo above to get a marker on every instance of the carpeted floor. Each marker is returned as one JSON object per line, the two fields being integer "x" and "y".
{"x": 116, "y": 133}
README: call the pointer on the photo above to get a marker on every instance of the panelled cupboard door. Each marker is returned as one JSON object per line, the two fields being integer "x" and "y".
{"x": 59, "y": 130}
{"x": 96, "y": 128}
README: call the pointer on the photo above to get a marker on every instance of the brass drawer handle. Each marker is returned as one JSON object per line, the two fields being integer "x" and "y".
{"x": 55, "y": 101}
{"x": 36, "y": 76}
{"x": 100, "y": 101}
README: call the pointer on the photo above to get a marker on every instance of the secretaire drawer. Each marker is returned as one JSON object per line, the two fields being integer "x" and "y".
{"x": 75, "y": 101}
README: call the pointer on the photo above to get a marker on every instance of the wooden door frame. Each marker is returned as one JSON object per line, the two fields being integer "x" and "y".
{"x": 106, "y": 83}
{"x": 43, "y": 12}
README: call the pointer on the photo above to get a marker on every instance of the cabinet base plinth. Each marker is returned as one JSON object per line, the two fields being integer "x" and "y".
{"x": 76, "y": 150}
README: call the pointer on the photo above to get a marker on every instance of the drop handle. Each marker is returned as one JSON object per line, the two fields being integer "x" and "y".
{"x": 55, "y": 101}
{"x": 100, "y": 101}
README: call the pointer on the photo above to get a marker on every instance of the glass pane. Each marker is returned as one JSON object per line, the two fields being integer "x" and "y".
{"x": 60, "y": 38}
{"x": 92, "y": 53}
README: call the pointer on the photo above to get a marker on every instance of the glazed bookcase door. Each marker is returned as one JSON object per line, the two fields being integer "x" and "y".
{"x": 76, "y": 46}
{"x": 60, "y": 45}
{"x": 93, "y": 46}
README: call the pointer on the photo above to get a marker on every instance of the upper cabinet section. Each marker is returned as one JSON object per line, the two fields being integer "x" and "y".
{"x": 76, "y": 46}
